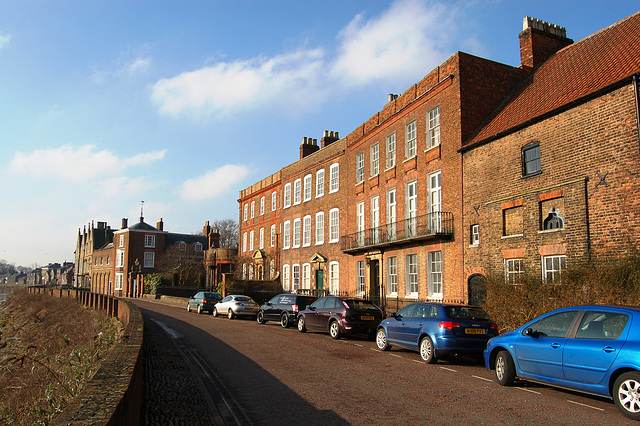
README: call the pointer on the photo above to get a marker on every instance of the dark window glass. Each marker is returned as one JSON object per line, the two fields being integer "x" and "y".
{"x": 556, "y": 325}
{"x": 602, "y": 325}
{"x": 531, "y": 159}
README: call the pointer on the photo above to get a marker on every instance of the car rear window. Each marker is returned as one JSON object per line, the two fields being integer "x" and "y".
{"x": 242, "y": 299}
{"x": 466, "y": 312}
{"x": 361, "y": 305}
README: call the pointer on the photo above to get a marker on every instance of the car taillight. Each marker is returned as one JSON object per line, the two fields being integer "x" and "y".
{"x": 448, "y": 325}
{"x": 494, "y": 326}
{"x": 204, "y": 300}
{"x": 294, "y": 308}
{"x": 345, "y": 304}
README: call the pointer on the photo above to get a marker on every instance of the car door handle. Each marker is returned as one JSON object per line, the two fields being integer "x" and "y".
{"x": 420, "y": 324}
{"x": 608, "y": 349}
{"x": 555, "y": 345}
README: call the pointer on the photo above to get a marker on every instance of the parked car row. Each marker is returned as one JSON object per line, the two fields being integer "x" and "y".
{"x": 592, "y": 349}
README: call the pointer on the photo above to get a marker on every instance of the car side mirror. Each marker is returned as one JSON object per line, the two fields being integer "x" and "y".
{"x": 312, "y": 308}
{"x": 268, "y": 303}
{"x": 529, "y": 332}
{"x": 396, "y": 315}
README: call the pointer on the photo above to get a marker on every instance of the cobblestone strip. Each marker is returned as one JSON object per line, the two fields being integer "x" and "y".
{"x": 172, "y": 396}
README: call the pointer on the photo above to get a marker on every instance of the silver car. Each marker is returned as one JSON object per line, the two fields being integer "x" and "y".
{"x": 236, "y": 305}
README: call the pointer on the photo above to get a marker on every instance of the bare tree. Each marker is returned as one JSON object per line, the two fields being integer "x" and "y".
{"x": 228, "y": 229}
{"x": 181, "y": 267}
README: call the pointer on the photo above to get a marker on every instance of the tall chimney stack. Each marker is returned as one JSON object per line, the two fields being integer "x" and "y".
{"x": 160, "y": 225}
{"x": 125, "y": 223}
{"x": 308, "y": 146}
{"x": 328, "y": 138}
{"x": 539, "y": 41}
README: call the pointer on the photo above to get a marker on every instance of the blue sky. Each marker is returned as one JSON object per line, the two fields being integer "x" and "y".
{"x": 104, "y": 104}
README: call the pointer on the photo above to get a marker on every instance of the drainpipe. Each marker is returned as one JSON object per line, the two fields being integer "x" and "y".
{"x": 636, "y": 91}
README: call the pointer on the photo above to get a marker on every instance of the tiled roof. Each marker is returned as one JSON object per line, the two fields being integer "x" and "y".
{"x": 591, "y": 64}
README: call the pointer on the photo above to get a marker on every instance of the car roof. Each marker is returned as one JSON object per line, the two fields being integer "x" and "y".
{"x": 597, "y": 307}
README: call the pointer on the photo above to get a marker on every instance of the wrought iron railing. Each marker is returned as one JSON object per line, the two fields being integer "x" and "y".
{"x": 416, "y": 228}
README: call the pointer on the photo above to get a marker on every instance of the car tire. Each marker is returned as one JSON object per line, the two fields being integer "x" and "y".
{"x": 260, "y": 317}
{"x": 334, "y": 330}
{"x": 188, "y": 308}
{"x": 230, "y": 314}
{"x": 504, "y": 368}
{"x": 427, "y": 351}
{"x": 199, "y": 309}
{"x": 215, "y": 311}
{"x": 302, "y": 327}
{"x": 284, "y": 320}
{"x": 626, "y": 394}
{"x": 381, "y": 340}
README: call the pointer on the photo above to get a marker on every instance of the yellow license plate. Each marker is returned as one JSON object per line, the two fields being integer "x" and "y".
{"x": 475, "y": 331}
{"x": 367, "y": 318}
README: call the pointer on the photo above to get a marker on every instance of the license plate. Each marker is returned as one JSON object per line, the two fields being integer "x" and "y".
{"x": 367, "y": 318}
{"x": 475, "y": 331}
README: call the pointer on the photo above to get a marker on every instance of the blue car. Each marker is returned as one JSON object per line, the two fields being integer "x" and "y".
{"x": 437, "y": 329}
{"x": 592, "y": 349}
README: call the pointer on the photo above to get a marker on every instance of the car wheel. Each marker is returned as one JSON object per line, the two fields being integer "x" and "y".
{"x": 626, "y": 394}
{"x": 505, "y": 370}
{"x": 199, "y": 309}
{"x": 334, "y": 330}
{"x": 284, "y": 320}
{"x": 427, "y": 351}
{"x": 301, "y": 325}
{"x": 215, "y": 311}
{"x": 188, "y": 308}
{"x": 260, "y": 317}
{"x": 230, "y": 314}
{"x": 381, "y": 340}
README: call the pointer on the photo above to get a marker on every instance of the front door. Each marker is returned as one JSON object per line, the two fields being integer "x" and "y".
{"x": 374, "y": 284}
{"x": 320, "y": 279}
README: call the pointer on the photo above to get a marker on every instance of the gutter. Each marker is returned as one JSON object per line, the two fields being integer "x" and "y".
{"x": 636, "y": 91}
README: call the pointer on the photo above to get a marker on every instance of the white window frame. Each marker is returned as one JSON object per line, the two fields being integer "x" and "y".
{"x": 552, "y": 268}
{"x": 297, "y": 191}
{"x": 287, "y": 195}
{"x": 391, "y": 213}
{"x": 436, "y": 284}
{"x": 360, "y": 167}
{"x": 475, "y": 234}
{"x": 306, "y": 231}
{"x": 245, "y": 214}
{"x": 334, "y": 225}
{"x": 375, "y": 160}
{"x": 391, "y": 150}
{"x": 262, "y": 206}
{"x": 360, "y": 278}
{"x": 306, "y": 276}
{"x": 285, "y": 277}
{"x": 410, "y": 139}
{"x": 261, "y": 239}
{"x": 121, "y": 241}
{"x": 273, "y": 235}
{"x": 307, "y": 188}
{"x": 119, "y": 258}
{"x": 197, "y": 246}
{"x": 119, "y": 281}
{"x": 360, "y": 223}
{"x": 150, "y": 241}
{"x": 251, "y": 238}
{"x": 297, "y": 229}
{"x": 253, "y": 208}
{"x": 334, "y": 278}
{"x": 149, "y": 259}
{"x": 319, "y": 228}
{"x": 411, "y": 208}
{"x": 413, "y": 285}
{"x": 513, "y": 271}
{"x": 392, "y": 275}
{"x": 435, "y": 201}
{"x": 375, "y": 219}
{"x": 433, "y": 128}
{"x": 244, "y": 242}
{"x": 334, "y": 178}
{"x": 286, "y": 235}
{"x": 295, "y": 277}
{"x": 274, "y": 201}
{"x": 320, "y": 183}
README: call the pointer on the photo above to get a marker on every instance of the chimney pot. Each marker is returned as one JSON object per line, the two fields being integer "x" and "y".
{"x": 125, "y": 223}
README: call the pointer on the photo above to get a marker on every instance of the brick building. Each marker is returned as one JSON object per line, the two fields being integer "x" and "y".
{"x": 431, "y": 191}
{"x": 88, "y": 241}
{"x": 552, "y": 179}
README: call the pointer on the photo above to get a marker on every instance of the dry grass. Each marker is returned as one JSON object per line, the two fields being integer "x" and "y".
{"x": 49, "y": 348}
{"x": 597, "y": 283}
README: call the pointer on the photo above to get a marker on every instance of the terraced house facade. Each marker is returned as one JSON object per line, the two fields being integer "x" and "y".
{"x": 469, "y": 167}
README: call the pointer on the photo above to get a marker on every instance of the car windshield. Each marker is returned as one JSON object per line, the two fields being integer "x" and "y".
{"x": 361, "y": 305}
{"x": 466, "y": 312}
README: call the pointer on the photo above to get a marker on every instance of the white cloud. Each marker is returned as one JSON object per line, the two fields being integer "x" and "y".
{"x": 230, "y": 86}
{"x": 4, "y": 40}
{"x": 123, "y": 186}
{"x": 76, "y": 164}
{"x": 213, "y": 183}
{"x": 403, "y": 42}
{"x": 138, "y": 66}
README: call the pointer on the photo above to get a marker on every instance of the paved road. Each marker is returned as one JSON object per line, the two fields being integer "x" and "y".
{"x": 253, "y": 374}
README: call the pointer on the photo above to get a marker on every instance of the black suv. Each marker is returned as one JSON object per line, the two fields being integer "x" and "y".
{"x": 284, "y": 308}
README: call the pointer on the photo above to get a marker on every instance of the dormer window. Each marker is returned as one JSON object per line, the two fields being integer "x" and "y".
{"x": 197, "y": 246}
{"x": 182, "y": 246}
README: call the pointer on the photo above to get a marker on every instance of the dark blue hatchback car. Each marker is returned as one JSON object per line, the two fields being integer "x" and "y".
{"x": 437, "y": 330}
{"x": 593, "y": 349}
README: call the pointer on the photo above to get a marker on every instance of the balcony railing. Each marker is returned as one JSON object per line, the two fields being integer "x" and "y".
{"x": 428, "y": 226}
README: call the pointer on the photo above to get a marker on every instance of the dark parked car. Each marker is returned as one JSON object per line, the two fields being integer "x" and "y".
{"x": 592, "y": 349}
{"x": 284, "y": 308}
{"x": 339, "y": 316}
{"x": 437, "y": 330}
{"x": 203, "y": 301}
